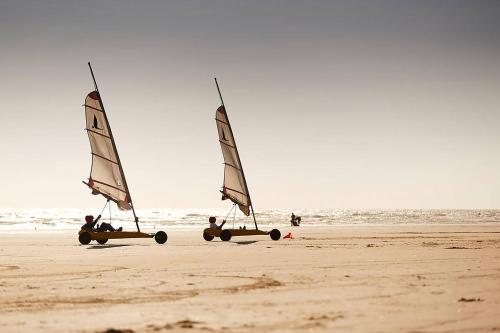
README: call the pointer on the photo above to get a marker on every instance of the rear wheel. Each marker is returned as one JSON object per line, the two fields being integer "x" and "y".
{"x": 102, "y": 241}
{"x": 225, "y": 235}
{"x": 84, "y": 238}
{"x": 275, "y": 234}
{"x": 207, "y": 237}
{"x": 161, "y": 237}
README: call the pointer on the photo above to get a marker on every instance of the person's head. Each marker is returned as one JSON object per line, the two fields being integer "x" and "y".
{"x": 89, "y": 218}
{"x": 212, "y": 219}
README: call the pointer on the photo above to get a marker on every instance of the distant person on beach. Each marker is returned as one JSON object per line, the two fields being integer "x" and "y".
{"x": 90, "y": 225}
{"x": 212, "y": 220}
{"x": 295, "y": 220}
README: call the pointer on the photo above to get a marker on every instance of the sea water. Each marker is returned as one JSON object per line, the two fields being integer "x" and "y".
{"x": 71, "y": 219}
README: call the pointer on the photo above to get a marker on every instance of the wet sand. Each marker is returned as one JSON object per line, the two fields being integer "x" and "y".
{"x": 440, "y": 278}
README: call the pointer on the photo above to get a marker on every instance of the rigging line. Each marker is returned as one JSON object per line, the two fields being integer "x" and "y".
{"x": 234, "y": 215}
{"x": 230, "y": 211}
{"x": 109, "y": 214}
{"x": 103, "y": 208}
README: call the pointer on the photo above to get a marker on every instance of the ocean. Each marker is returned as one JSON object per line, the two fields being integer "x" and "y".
{"x": 55, "y": 219}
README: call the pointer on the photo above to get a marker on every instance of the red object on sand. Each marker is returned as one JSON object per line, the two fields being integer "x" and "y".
{"x": 288, "y": 236}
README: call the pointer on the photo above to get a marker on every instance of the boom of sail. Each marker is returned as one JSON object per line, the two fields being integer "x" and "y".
{"x": 106, "y": 175}
{"x": 234, "y": 187}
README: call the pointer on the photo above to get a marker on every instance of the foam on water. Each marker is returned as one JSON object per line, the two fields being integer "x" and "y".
{"x": 72, "y": 219}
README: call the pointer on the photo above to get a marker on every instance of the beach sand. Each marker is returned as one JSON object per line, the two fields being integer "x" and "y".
{"x": 399, "y": 278}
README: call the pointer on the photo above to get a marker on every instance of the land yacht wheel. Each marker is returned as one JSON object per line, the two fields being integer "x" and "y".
{"x": 225, "y": 235}
{"x": 275, "y": 234}
{"x": 161, "y": 237}
{"x": 84, "y": 238}
{"x": 102, "y": 241}
{"x": 207, "y": 237}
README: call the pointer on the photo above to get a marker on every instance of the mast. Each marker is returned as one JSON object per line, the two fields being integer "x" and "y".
{"x": 237, "y": 155}
{"x": 136, "y": 219}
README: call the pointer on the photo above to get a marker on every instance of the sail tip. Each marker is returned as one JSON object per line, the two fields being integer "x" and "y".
{"x": 94, "y": 95}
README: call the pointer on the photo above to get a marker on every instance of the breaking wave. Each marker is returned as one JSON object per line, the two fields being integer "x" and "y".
{"x": 72, "y": 219}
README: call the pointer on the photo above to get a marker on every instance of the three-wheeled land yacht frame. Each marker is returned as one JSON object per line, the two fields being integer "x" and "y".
{"x": 102, "y": 237}
{"x": 226, "y": 234}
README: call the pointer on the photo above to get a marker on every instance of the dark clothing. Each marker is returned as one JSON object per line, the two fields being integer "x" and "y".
{"x": 295, "y": 220}
{"x": 89, "y": 226}
{"x": 106, "y": 227}
{"x": 214, "y": 225}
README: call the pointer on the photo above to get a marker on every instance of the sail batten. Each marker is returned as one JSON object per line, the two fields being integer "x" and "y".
{"x": 227, "y": 144}
{"x": 234, "y": 187}
{"x": 88, "y": 106}
{"x": 107, "y": 159}
{"x": 233, "y": 190}
{"x": 218, "y": 120}
{"x": 104, "y": 135}
{"x": 106, "y": 175}
{"x": 233, "y": 166}
{"x": 102, "y": 183}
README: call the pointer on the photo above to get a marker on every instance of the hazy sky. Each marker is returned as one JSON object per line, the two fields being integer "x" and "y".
{"x": 334, "y": 104}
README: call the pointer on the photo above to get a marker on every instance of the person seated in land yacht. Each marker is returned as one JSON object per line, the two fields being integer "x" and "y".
{"x": 212, "y": 220}
{"x": 90, "y": 225}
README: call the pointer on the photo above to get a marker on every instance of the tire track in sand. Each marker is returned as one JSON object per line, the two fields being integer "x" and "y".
{"x": 33, "y": 305}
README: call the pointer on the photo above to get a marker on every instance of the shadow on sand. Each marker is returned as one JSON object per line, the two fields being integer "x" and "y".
{"x": 100, "y": 247}
{"x": 246, "y": 242}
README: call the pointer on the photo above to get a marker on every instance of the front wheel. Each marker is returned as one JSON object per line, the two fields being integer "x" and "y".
{"x": 207, "y": 237}
{"x": 102, "y": 241}
{"x": 225, "y": 235}
{"x": 161, "y": 237}
{"x": 84, "y": 238}
{"x": 275, "y": 234}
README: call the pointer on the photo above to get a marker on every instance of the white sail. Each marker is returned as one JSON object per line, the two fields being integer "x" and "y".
{"x": 234, "y": 187}
{"x": 106, "y": 177}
